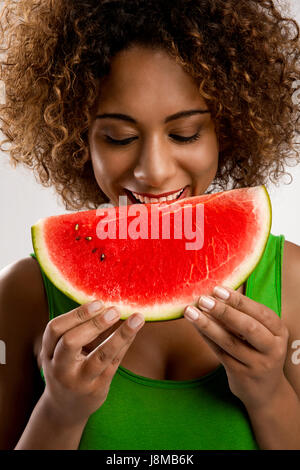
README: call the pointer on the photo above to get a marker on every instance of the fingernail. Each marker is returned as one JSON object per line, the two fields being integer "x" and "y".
{"x": 94, "y": 307}
{"x": 206, "y": 302}
{"x": 134, "y": 322}
{"x": 221, "y": 292}
{"x": 192, "y": 313}
{"x": 111, "y": 314}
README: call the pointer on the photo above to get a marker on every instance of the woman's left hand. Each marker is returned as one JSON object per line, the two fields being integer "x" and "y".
{"x": 249, "y": 339}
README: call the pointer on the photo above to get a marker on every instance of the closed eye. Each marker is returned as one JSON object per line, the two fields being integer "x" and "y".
{"x": 179, "y": 138}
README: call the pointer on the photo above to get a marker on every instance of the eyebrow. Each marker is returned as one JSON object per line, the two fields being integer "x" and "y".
{"x": 124, "y": 117}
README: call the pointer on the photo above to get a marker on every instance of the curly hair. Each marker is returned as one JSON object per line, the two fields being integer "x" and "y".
{"x": 243, "y": 54}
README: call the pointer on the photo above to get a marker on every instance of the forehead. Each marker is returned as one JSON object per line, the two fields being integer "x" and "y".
{"x": 150, "y": 77}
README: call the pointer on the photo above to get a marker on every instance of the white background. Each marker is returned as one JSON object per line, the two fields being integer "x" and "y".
{"x": 23, "y": 202}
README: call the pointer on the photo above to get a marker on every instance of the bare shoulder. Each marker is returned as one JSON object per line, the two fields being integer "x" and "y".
{"x": 22, "y": 291}
{"x": 290, "y": 296}
{"x": 290, "y": 312}
{"x": 23, "y": 316}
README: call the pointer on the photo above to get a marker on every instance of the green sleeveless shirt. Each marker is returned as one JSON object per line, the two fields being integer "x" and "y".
{"x": 141, "y": 413}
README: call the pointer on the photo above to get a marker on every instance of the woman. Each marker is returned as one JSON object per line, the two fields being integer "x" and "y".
{"x": 109, "y": 98}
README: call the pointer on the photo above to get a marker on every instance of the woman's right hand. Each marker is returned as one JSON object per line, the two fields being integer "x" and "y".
{"x": 77, "y": 384}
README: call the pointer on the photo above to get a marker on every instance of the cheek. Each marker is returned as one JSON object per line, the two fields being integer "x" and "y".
{"x": 106, "y": 166}
{"x": 204, "y": 160}
{"x": 104, "y": 162}
{"x": 200, "y": 164}
{"x": 104, "y": 174}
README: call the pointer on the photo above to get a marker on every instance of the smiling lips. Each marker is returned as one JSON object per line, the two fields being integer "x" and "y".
{"x": 146, "y": 199}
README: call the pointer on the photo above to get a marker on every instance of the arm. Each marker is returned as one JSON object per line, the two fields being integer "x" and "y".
{"x": 23, "y": 312}
{"x": 56, "y": 434}
{"x": 277, "y": 426}
{"x": 256, "y": 349}
{"x": 76, "y": 384}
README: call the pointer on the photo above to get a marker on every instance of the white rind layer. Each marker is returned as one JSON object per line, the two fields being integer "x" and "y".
{"x": 165, "y": 311}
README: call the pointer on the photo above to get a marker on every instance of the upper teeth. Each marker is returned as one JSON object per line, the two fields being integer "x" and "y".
{"x": 160, "y": 199}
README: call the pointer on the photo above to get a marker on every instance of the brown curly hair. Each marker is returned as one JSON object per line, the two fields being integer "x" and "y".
{"x": 243, "y": 54}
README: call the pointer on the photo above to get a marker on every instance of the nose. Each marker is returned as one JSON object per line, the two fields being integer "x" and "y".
{"x": 155, "y": 166}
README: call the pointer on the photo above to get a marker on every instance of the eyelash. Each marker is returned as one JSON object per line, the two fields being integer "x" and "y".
{"x": 185, "y": 140}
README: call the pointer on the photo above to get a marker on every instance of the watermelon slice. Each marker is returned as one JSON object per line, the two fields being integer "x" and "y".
{"x": 122, "y": 256}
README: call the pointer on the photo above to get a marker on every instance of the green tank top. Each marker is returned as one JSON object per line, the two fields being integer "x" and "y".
{"x": 141, "y": 413}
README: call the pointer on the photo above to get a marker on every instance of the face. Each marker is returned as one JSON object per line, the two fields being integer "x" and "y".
{"x": 151, "y": 147}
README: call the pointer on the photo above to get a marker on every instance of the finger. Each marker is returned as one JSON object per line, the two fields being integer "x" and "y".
{"x": 240, "y": 324}
{"x": 61, "y": 324}
{"x": 223, "y": 339}
{"x": 105, "y": 378}
{"x": 256, "y": 310}
{"x": 99, "y": 359}
{"x": 226, "y": 359}
{"x": 70, "y": 344}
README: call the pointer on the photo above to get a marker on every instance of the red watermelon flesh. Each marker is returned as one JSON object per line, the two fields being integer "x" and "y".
{"x": 157, "y": 277}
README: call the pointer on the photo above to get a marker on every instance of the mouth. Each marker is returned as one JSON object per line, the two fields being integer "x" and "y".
{"x": 183, "y": 193}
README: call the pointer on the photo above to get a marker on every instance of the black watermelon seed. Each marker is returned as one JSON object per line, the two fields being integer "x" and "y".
{"x": 78, "y": 238}
{"x": 88, "y": 238}
{"x": 102, "y": 256}
{"x": 94, "y": 250}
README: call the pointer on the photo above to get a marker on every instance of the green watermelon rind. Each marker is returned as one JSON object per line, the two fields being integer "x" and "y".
{"x": 156, "y": 312}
